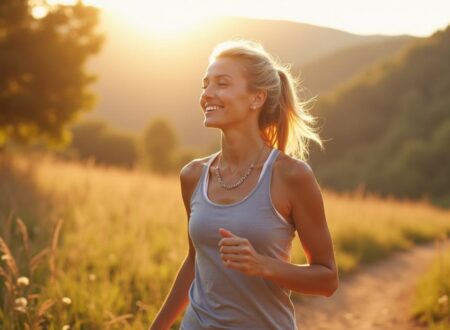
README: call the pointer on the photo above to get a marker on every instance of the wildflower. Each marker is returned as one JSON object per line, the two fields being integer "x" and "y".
{"x": 66, "y": 300}
{"x": 23, "y": 281}
{"x": 66, "y": 327}
{"x": 443, "y": 299}
{"x": 92, "y": 277}
{"x": 20, "y": 309}
{"x": 6, "y": 257}
{"x": 21, "y": 302}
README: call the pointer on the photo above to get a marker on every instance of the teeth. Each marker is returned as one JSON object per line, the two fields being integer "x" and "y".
{"x": 212, "y": 108}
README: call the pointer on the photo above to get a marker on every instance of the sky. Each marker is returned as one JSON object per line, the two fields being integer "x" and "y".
{"x": 388, "y": 17}
{"x": 391, "y": 17}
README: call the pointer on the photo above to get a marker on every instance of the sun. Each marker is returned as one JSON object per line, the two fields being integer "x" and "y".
{"x": 162, "y": 18}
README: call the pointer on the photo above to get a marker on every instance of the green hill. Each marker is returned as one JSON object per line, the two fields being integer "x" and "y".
{"x": 321, "y": 76}
{"x": 389, "y": 128}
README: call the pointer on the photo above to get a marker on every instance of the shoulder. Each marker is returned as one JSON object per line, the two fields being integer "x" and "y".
{"x": 296, "y": 177}
{"x": 191, "y": 172}
{"x": 292, "y": 170}
{"x": 301, "y": 188}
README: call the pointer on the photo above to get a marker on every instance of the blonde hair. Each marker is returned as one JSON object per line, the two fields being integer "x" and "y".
{"x": 284, "y": 121}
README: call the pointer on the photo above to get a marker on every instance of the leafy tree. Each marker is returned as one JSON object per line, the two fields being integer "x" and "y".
{"x": 439, "y": 181}
{"x": 42, "y": 81}
{"x": 159, "y": 143}
{"x": 86, "y": 138}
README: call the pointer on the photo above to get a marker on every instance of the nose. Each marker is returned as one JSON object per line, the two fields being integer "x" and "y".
{"x": 207, "y": 94}
{"x": 207, "y": 91}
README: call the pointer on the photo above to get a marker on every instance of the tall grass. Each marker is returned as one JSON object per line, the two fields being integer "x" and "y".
{"x": 124, "y": 236}
{"x": 24, "y": 303}
{"x": 432, "y": 297}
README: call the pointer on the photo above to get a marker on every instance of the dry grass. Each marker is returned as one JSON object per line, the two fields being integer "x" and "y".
{"x": 124, "y": 237}
{"x": 431, "y": 305}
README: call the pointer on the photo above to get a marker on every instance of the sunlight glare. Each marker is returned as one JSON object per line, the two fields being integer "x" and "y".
{"x": 39, "y": 12}
{"x": 165, "y": 18}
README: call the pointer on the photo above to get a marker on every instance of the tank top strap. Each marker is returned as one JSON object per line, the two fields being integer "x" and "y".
{"x": 268, "y": 171}
{"x": 200, "y": 183}
{"x": 206, "y": 167}
{"x": 272, "y": 158}
{"x": 210, "y": 160}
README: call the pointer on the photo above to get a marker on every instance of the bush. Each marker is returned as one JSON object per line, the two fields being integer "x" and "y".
{"x": 96, "y": 140}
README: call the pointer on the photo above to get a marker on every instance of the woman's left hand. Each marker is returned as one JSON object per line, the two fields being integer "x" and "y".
{"x": 238, "y": 253}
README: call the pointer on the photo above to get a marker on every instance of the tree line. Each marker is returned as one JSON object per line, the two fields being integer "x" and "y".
{"x": 156, "y": 148}
{"x": 389, "y": 129}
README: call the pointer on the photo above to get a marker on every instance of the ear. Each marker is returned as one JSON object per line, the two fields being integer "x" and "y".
{"x": 259, "y": 98}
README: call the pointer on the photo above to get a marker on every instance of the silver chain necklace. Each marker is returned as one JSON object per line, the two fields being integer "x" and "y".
{"x": 242, "y": 179}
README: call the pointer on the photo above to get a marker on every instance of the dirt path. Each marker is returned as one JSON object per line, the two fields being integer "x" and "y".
{"x": 375, "y": 297}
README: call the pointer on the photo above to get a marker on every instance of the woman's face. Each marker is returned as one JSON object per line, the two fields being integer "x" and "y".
{"x": 225, "y": 99}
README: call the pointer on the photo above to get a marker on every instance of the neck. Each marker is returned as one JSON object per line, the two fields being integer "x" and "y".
{"x": 239, "y": 151}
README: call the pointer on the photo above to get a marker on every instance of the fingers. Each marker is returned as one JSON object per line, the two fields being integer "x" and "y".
{"x": 234, "y": 257}
{"x": 231, "y": 241}
{"x": 226, "y": 233}
{"x": 235, "y": 249}
{"x": 237, "y": 266}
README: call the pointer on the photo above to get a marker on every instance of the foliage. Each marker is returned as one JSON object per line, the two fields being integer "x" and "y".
{"x": 432, "y": 303}
{"x": 389, "y": 129}
{"x": 42, "y": 81}
{"x": 96, "y": 140}
{"x": 159, "y": 141}
{"x": 24, "y": 306}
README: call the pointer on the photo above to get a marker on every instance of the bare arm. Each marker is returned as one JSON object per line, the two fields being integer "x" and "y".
{"x": 319, "y": 276}
{"x": 177, "y": 298}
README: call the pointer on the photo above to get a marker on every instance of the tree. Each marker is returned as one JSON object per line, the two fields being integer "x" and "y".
{"x": 159, "y": 143}
{"x": 107, "y": 145}
{"x": 42, "y": 81}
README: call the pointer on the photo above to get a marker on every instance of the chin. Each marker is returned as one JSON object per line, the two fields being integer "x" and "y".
{"x": 211, "y": 124}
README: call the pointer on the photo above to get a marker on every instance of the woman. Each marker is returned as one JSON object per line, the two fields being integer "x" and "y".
{"x": 245, "y": 202}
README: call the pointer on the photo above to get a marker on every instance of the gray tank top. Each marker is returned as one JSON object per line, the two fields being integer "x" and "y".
{"x": 224, "y": 298}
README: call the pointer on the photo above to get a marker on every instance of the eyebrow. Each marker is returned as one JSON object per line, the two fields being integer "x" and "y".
{"x": 218, "y": 76}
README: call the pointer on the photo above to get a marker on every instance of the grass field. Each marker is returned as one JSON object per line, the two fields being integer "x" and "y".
{"x": 123, "y": 236}
{"x": 431, "y": 304}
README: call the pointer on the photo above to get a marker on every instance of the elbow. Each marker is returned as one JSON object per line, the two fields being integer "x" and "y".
{"x": 330, "y": 292}
{"x": 332, "y": 286}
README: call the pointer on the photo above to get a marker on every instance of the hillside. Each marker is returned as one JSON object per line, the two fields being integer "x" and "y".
{"x": 389, "y": 128}
{"x": 141, "y": 77}
{"x": 321, "y": 76}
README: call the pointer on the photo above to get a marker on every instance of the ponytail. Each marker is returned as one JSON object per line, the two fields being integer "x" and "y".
{"x": 295, "y": 126}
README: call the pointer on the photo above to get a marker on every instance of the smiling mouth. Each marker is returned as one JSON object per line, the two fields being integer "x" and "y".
{"x": 211, "y": 108}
